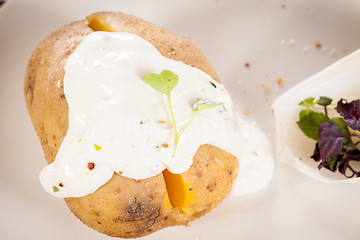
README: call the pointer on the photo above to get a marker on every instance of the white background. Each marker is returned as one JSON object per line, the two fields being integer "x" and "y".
{"x": 277, "y": 39}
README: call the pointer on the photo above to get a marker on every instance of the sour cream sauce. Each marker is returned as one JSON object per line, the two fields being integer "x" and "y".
{"x": 118, "y": 123}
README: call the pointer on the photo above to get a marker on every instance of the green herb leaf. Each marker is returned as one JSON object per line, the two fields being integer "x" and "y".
{"x": 213, "y": 84}
{"x": 198, "y": 107}
{"x": 332, "y": 162}
{"x": 349, "y": 146}
{"x": 55, "y": 189}
{"x": 164, "y": 82}
{"x": 324, "y": 101}
{"x": 121, "y": 172}
{"x": 304, "y": 113}
{"x": 309, "y": 102}
{"x": 202, "y": 105}
{"x": 310, "y": 124}
{"x": 343, "y": 127}
{"x": 341, "y": 124}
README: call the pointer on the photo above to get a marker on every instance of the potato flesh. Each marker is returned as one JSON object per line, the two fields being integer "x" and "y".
{"x": 178, "y": 191}
{"x": 97, "y": 23}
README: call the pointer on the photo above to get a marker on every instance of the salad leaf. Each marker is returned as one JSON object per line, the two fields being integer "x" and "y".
{"x": 309, "y": 102}
{"x": 324, "y": 101}
{"x": 334, "y": 137}
{"x": 311, "y": 122}
{"x": 330, "y": 140}
{"x": 350, "y": 112}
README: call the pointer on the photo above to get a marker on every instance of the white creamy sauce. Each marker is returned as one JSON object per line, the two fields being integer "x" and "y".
{"x": 118, "y": 123}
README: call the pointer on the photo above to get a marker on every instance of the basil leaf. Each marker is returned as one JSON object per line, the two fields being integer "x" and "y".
{"x": 324, "y": 101}
{"x": 309, "y": 102}
{"x": 350, "y": 112}
{"x": 310, "y": 124}
{"x": 330, "y": 141}
{"x": 333, "y": 161}
{"x": 304, "y": 113}
{"x": 343, "y": 127}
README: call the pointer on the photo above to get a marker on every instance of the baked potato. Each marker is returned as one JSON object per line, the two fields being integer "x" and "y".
{"x": 125, "y": 207}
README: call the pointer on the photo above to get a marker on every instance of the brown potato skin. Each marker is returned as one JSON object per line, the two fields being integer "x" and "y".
{"x": 122, "y": 207}
{"x": 210, "y": 178}
{"x": 126, "y": 208}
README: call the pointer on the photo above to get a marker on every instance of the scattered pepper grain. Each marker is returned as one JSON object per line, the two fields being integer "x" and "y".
{"x": 91, "y": 166}
{"x": 266, "y": 87}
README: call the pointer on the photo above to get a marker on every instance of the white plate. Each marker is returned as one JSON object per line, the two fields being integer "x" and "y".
{"x": 277, "y": 39}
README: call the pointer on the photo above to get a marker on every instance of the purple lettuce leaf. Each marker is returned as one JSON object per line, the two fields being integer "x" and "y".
{"x": 331, "y": 141}
{"x": 353, "y": 155}
{"x": 316, "y": 155}
{"x": 350, "y": 112}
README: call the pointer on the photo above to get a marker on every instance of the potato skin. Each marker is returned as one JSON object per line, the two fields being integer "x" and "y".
{"x": 126, "y": 208}
{"x": 122, "y": 207}
{"x": 210, "y": 178}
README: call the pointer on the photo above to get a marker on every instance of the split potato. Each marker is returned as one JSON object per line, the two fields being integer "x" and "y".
{"x": 124, "y": 207}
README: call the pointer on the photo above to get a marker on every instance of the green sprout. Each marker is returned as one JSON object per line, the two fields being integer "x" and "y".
{"x": 164, "y": 83}
{"x": 198, "y": 107}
